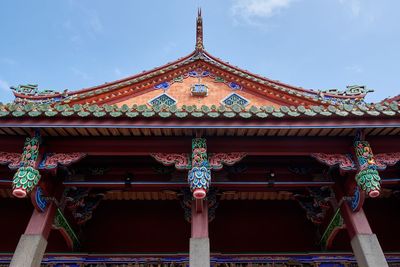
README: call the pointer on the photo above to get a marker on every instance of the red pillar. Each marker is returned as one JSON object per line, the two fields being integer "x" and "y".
{"x": 41, "y": 222}
{"x": 199, "y": 254}
{"x": 33, "y": 242}
{"x": 365, "y": 244}
{"x": 199, "y": 219}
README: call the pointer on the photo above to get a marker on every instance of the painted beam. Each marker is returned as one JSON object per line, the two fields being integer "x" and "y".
{"x": 169, "y": 185}
{"x": 137, "y": 146}
{"x": 225, "y": 185}
{"x": 195, "y": 123}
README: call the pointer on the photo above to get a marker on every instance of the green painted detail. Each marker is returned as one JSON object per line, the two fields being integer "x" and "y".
{"x": 368, "y": 177}
{"x": 368, "y": 180}
{"x": 335, "y": 224}
{"x": 60, "y": 222}
{"x": 26, "y": 178}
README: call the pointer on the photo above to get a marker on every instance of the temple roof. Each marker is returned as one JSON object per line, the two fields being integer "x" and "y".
{"x": 196, "y": 78}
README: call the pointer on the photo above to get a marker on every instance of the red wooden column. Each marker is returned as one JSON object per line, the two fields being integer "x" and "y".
{"x": 199, "y": 252}
{"x": 365, "y": 244}
{"x": 33, "y": 242}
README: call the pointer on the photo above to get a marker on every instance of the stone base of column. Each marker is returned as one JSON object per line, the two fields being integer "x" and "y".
{"x": 29, "y": 252}
{"x": 199, "y": 252}
{"x": 368, "y": 251}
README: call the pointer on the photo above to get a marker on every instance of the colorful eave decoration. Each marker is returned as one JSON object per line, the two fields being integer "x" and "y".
{"x": 35, "y": 110}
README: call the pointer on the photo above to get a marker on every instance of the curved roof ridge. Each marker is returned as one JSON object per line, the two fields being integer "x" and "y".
{"x": 133, "y": 76}
{"x": 279, "y": 83}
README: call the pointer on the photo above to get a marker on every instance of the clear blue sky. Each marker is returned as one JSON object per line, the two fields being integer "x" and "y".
{"x": 317, "y": 44}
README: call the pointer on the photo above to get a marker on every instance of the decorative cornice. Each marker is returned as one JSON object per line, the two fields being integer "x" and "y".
{"x": 52, "y": 160}
{"x": 346, "y": 162}
{"x": 11, "y": 159}
{"x": 180, "y": 161}
{"x": 217, "y": 160}
{"x": 32, "y": 110}
{"x": 343, "y": 161}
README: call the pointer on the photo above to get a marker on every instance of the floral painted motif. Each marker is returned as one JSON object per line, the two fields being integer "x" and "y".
{"x": 344, "y": 162}
{"x": 368, "y": 177}
{"x": 386, "y": 159}
{"x": 52, "y": 160}
{"x": 11, "y": 159}
{"x": 199, "y": 176}
{"x": 27, "y": 176}
{"x": 181, "y": 161}
{"x": 218, "y": 159}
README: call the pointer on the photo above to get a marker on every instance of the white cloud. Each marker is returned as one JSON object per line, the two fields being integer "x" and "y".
{"x": 80, "y": 74}
{"x": 169, "y": 47}
{"x": 8, "y": 61}
{"x": 117, "y": 72}
{"x": 94, "y": 22}
{"x": 90, "y": 25}
{"x": 252, "y": 10}
{"x": 355, "y": 68}
{"x": 4, "y": 86}
{"x": 353, "y": 5}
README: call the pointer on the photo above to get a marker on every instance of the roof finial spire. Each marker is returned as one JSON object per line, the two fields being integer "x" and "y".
{"x": 199, "y": 31}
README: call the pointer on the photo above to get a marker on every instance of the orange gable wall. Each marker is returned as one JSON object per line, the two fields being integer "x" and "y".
{"x": 181, "y": 92}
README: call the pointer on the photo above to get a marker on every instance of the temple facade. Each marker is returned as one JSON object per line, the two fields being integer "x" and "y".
{"x": 199, "y": 163}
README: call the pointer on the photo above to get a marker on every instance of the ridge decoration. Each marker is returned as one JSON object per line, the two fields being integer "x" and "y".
{"x": 27, "y": 176}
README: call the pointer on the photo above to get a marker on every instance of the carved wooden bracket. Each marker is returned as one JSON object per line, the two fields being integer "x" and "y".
{"x": 181, "y": 161}
{"x": 344, "y": 161}
{"x": 53, "y": 160}
{"x": 218, "y": 159}
{"x": 384, "y": 160}
{"x": 11, "y": 159}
